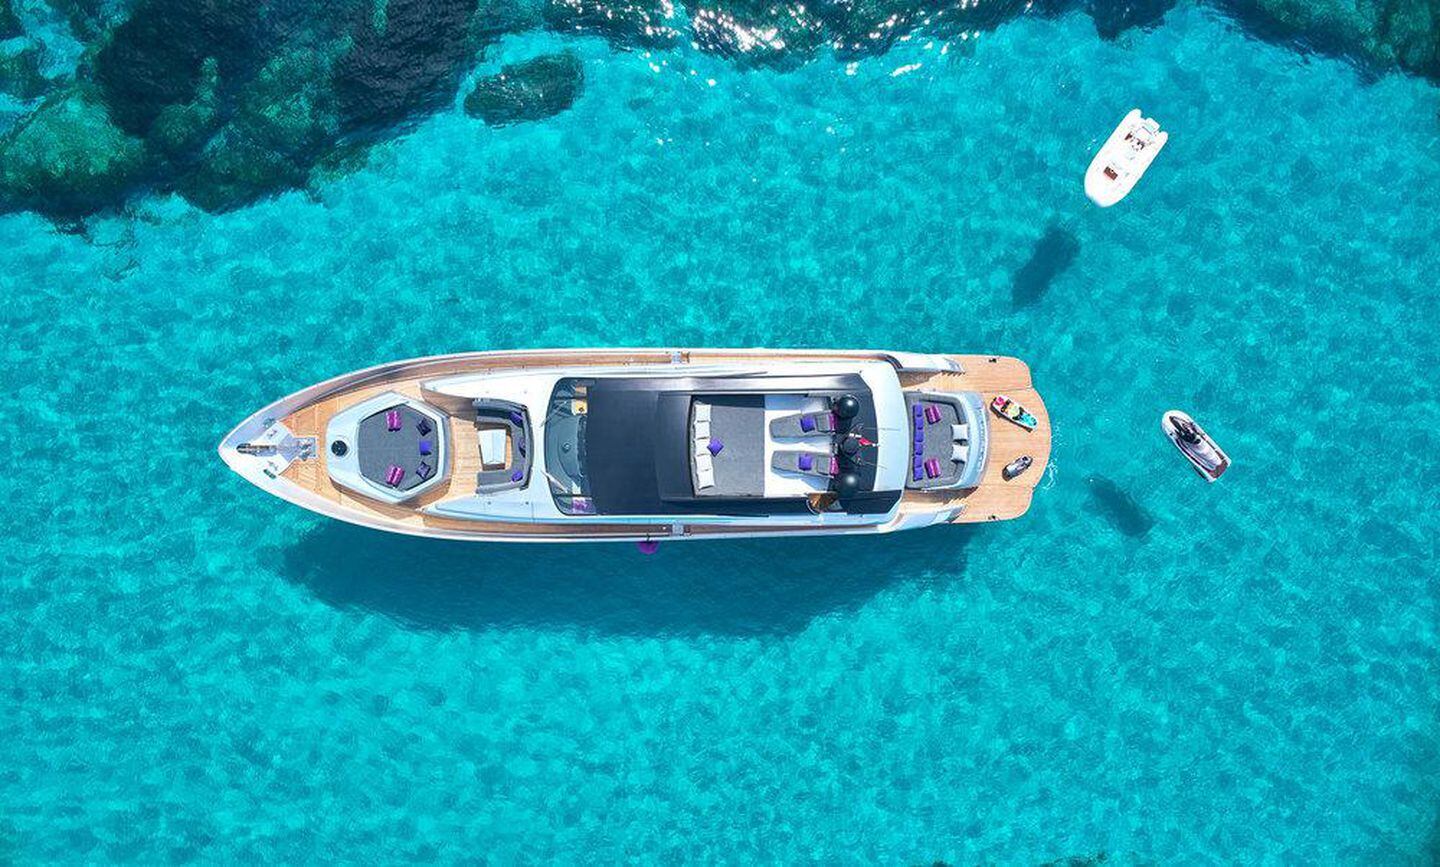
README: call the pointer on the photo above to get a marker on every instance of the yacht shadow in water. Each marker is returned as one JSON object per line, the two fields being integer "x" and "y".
{"x": 1052, "y": 255}
{"x": 749, "y": 587}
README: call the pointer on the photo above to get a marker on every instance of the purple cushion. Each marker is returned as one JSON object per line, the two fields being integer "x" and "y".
{"x": 805, "y": 462}
{"x": 932, "y": 467}
{"x": 932, "y": 414}
{"x": 517, "y": 475}
{"x": 392, "y": 420}
{"x": 517, "y": 418}
{"x": 918, "y": 473}
{"x": 394, "y": 475}
{"x": 426, "y": 447}
{"x": 424, "y": 426}
{"x": 715, "y": 446}
{"x": 807, "y": 423}
{"x": 918, "y": 409}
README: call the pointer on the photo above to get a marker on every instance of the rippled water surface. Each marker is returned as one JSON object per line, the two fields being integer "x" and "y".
{"x": 1144, "y": 666}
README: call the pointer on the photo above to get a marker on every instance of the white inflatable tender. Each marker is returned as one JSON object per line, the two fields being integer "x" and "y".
{"x": 1126, "y": 155}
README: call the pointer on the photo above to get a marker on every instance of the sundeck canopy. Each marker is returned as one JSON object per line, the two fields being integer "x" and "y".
{"x": 637, "y": 444}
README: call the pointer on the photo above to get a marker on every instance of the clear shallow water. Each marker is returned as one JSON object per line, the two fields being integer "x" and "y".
{"x": 1243, "y": 672}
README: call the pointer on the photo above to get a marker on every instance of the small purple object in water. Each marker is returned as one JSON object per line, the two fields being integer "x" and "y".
{"x": 426, "y": 447}
{"x": 715, "y": 446}
{"x": 648, "y": 546}
{"x": 805, "y": 462}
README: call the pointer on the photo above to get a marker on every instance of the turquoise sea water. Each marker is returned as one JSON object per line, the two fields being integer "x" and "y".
{"x": 1144, "y": 666}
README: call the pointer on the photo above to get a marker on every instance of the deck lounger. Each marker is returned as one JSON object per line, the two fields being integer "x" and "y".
{"x": 917, "y": 469}
{"x": 704, "y": 471}
{"x": 960, "y": 452}
{"x": 492, "y": 448}
{"x": 424, "y": 426}
{"x": 424, "y": 471}
{"x": 517, "y": 419}
{"x": 702, "y": 429}
{"x": 810, "y": 463}
{"x": 960, "y": 432}
{"x": 702, "y": 412}
{"x": 803, "y": 424}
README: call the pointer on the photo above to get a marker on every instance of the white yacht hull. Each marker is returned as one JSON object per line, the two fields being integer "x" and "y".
{"x": 286, "y": 448}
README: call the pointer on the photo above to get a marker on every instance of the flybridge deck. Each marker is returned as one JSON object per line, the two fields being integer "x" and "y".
{"x": 649, "y": 444}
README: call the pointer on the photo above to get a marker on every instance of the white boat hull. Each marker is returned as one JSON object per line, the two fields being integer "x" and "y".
{"x": 1209, "y": 472}
{"x": 1123, "y": 159}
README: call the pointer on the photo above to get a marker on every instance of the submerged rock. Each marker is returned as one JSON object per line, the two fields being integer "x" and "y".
{"x": 773, "y": 34}
{"x": 88, "y": 19}
{"x": 67, "y": 159}
{"x": 624, "y": 23}
{"x": 20, "y": 74}
{"x": 234, "y": 171}
{"x": 1397, "y": 33}
{"x": 532, "y": 90}
{"x": 180, "y": 130}
{"x": 156, "y": 57}
{"x": 406, "y": 59}
{"x": 1114, "y": 17}
{"x": 285, "y": 120}
{"x": 9, "y": 21}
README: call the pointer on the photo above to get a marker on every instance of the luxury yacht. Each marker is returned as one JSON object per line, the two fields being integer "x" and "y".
{"x": 647, "y": 445}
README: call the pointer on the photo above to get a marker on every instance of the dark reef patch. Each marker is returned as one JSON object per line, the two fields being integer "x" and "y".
{"x": 624, "y": 23}
{"x": 1114, "y": 17}
{"x": 9, "y": 21}
{"x": 405, "y": 60}
{"x": 20, "y": 74}
{"x": 66, "y": 159}
{"x": 535, "y": 89}
{"x": 1403, "y": 34}
{"x": 229, "y": 101}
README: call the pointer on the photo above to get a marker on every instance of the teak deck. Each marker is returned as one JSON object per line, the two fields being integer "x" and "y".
{"x": 994, "y": 499}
